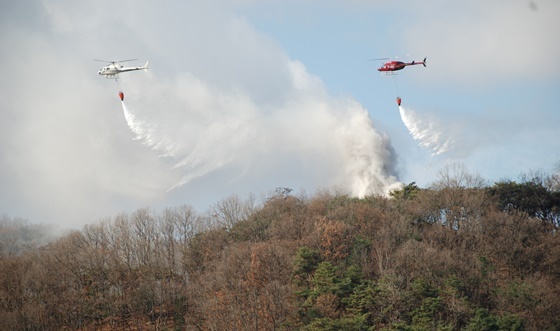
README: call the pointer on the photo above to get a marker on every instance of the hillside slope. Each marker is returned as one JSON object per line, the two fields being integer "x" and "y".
{"x": 446, "y": 258}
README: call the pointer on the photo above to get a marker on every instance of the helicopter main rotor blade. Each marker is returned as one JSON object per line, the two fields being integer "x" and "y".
{"x": 115, "y": 61}
{"x": 125, "y": 60}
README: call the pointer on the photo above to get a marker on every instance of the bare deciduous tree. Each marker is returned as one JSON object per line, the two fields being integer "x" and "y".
{"x": 456, "y": 175}
{"x": 229, "y": 211}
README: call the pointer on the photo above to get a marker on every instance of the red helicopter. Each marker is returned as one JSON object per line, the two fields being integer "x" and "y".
{"x": 398, "y": 65}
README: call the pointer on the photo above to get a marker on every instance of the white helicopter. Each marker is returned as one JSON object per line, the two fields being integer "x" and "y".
{"x": 114, "y": 68}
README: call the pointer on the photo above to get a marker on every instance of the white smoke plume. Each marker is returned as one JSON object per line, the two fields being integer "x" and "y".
{"x": 429, "y": 132}
{"x": 330, "y": 141}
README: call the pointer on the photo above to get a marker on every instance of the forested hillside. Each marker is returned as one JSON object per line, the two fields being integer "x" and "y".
{"x": 460, "y": 255}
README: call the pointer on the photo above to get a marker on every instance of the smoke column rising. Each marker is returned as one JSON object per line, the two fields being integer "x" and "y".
{"x": 308, "y": 135}
{"x": 429, "y": 132}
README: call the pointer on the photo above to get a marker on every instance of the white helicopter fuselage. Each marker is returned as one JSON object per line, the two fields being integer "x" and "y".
{"x": 113, "y": 69}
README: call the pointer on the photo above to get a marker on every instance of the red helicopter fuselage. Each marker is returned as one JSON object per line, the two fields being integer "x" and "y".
{"x": 398, "y": 65}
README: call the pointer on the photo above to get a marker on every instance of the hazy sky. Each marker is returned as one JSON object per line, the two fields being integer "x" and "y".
{"x": 246, "y": 96}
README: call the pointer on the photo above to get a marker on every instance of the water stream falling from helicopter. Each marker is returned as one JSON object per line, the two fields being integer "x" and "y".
{"x": 429, "y": 132}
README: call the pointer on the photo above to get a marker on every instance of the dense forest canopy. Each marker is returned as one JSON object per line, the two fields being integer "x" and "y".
{"x": 459, "y": 255}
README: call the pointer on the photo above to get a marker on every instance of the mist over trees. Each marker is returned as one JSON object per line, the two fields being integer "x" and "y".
{"x": 459, "y": 255}
{"x": 18, "y": 235}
